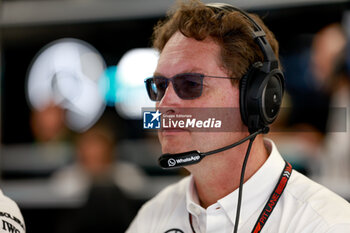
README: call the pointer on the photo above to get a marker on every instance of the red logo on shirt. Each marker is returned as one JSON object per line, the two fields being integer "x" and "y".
{"x": 257, "y": 228}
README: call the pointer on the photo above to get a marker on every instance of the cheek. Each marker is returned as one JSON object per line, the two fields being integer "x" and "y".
{"x": 225, "y": 96}
{"x": 227, "y": 100}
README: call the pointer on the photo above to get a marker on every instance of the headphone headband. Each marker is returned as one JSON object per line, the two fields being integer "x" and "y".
{"x": 258, "y": 34}
{"x": 227, "y": 7}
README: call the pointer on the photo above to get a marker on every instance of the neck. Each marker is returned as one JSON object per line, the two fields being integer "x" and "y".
{"x": 218, "y": 175}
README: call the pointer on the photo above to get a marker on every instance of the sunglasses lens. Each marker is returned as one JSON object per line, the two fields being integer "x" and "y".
{"x": 156, "y": 87}
{"x": 188, "y": 86}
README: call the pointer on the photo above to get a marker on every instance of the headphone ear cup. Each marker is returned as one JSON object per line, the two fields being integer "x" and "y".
{"x": 243, "y": 96}
{"x": 272, "y": 97}
{"x": 260, "y": 96}
{"x": 245, "y": 90}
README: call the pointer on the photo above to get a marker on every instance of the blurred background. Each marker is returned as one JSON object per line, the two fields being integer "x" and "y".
{"x": 74, "y": 155}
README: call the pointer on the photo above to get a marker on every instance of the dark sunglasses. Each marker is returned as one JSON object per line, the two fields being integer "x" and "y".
{"x": 186, "y": 85}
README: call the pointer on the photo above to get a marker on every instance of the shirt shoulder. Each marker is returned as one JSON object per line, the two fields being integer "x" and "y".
{"x": 173, "y": 191}
{"x": 161, "y": 207}
{"x": 11, "y": 219}
{"x": 315, "y": 205}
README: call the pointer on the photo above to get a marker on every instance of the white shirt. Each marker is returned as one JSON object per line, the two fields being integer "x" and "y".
{"x": 11, "y": 219}
{"x": 304, "y": 206}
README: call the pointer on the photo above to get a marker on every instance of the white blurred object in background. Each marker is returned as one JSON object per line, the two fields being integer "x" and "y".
{"x": 66, "y": 72}
{"x": 133, "y": 68}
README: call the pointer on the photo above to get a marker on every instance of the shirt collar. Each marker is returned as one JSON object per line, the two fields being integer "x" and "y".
{"x": 256, "y": 190}
{"x": 192, "y": 200}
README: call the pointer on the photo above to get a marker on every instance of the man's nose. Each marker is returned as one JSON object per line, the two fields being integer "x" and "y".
{"x": 170, "y": 97}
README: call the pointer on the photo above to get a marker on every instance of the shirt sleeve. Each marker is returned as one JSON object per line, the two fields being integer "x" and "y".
{"x": 140, "y": 223}
{"x": 133, "y": 227}
{"x": 11, "y": 219}
{"x": 340, "y": 228}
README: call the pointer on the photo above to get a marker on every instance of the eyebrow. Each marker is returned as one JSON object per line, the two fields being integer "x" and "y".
{"x": 193, "y": 70}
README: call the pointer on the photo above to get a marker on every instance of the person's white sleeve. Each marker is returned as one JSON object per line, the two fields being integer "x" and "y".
{"x": 139, "y": 223}
{"x": 340, "y": 228}
{"x": 11, "y": 219}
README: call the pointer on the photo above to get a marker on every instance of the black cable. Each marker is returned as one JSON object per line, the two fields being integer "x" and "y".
{"x": 251, "y": 139}
{"x": 253, "y": 135}
{"x": 242, "y": 180}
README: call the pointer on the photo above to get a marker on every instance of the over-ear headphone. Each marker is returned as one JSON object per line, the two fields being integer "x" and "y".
{"x": 262, "y": 87}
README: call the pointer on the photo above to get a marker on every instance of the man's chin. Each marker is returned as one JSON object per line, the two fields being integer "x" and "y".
{"x": 174, "y": 142}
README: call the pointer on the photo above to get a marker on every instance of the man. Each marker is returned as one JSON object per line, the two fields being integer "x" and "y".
{"x": 218, "y": 42}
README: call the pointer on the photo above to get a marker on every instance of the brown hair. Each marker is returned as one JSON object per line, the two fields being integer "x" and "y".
{"x": 229, "y": 29}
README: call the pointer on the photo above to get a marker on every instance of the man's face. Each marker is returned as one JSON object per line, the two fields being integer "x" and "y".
{"x": 184, "y": 55}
